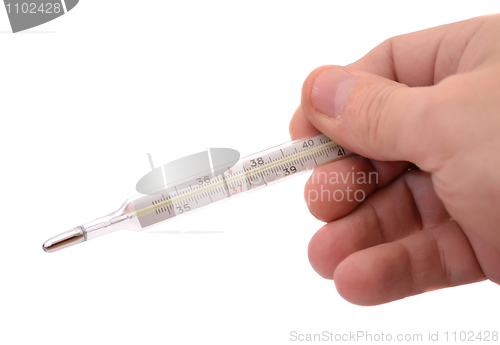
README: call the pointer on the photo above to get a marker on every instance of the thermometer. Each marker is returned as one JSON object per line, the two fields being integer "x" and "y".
{"x": 207, "y": 187}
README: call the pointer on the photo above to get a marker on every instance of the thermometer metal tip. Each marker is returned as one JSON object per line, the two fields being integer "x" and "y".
{"x": 66, "y": 239}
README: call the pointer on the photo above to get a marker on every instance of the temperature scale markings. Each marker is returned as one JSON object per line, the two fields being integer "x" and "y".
{"x": 247, "y": 174}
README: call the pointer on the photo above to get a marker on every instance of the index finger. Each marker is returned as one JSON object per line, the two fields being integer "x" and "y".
{"x": 421, "y": 58}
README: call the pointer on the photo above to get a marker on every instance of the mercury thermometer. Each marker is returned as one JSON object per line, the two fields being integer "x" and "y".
{"x": 207, "y": 187}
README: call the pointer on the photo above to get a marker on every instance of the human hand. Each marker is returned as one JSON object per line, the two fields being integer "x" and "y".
{"x": 431, "y": 98}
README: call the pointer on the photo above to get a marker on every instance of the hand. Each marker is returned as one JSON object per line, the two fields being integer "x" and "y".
{"x": 424, "y": 108}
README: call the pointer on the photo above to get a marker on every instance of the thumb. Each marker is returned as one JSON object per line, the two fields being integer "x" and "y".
{"x": 369, "y": 115}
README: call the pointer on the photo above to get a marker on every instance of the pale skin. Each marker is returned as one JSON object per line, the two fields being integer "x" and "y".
{"x": 426, "y": 114}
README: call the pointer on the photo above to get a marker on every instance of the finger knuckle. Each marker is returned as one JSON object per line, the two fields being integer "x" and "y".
{"x": 374, "y": 112}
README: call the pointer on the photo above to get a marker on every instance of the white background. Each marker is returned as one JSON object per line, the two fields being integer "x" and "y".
{"x": 85, "y": 97}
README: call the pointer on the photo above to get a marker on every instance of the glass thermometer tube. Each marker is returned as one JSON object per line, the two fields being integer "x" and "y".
{"x": 247, "y": 174}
